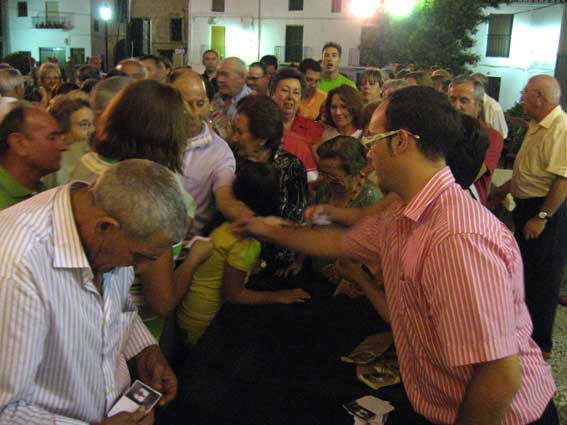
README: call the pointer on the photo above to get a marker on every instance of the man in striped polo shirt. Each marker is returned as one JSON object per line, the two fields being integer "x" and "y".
{"x": 452, "y": 276}
{"x": 67, "y": 326}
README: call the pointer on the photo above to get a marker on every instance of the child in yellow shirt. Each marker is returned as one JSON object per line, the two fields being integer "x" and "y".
{"x": 223, "y": 276}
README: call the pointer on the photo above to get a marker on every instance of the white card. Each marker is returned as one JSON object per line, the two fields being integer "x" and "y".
{"x": 139, "y": 394}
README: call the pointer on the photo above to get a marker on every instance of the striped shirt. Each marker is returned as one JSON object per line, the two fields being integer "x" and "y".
{"x": 63, "y": 344}
{"x": 453, "y": 278}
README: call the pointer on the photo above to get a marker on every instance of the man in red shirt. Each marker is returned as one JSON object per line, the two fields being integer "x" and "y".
{"x": 453, "y": 279}
{"x": 467, "y": 96}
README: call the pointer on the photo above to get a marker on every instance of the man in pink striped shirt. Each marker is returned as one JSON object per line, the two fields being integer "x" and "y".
{"x": 453, "y": 283}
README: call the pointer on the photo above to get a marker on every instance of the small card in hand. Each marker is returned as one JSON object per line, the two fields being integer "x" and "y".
{"x": 356, "y": 409}
{"x": 139, "y": 394}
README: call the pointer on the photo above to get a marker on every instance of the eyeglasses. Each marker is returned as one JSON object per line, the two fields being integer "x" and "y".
{"x": 85, "y": 125}
{"x": 370, "y": 141}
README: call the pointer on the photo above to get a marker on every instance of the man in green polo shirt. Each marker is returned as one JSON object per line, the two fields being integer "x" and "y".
{"x": 331, "y": 77}
{"x": 31, "y": 145}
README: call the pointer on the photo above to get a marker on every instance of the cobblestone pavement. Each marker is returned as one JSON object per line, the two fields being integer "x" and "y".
{"x": 558, "y": 362}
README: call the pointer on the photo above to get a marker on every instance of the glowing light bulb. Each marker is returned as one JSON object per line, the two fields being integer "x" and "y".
{"x": 105, "y": 13}
{"x": 364, "y": 8}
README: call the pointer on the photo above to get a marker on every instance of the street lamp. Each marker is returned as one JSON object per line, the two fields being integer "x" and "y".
{"x": 364, "y": 8}
{"x": 105, "y": 14}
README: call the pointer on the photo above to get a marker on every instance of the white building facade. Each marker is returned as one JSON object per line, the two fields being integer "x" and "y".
{"x": 63, "y": 29}
{"x": 292, "y": 30}
{"x": 525, "y": 40}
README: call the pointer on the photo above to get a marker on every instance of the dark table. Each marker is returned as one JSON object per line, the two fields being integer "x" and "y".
{"x": 280, "y": 364}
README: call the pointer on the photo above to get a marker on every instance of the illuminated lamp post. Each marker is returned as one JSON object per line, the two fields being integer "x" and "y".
{"x": 105, "y": 14}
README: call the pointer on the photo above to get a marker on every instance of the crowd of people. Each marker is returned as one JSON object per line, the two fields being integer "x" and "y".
{"x": 151, "y": 192}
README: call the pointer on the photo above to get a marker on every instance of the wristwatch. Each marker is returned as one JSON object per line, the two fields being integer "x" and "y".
{"x": 543, "y": 215}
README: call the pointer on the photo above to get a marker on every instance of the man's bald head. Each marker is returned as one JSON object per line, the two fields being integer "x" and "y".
{"x": 549, "y": 87}
{"x": 540, "y": 96}
{"x": 192, "y": 88}
{"x": 133, "y": 67}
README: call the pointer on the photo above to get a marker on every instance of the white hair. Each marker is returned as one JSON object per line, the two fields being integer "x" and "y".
{"x": 145, "y": 197}
{"x": 239, "y": 64}
{"x": 10, "y": 79}
{"x": 105, "y": 90}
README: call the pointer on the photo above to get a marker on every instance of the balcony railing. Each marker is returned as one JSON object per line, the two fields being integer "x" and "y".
{"x": 498, "y": 46}
{"x": 61, "y": 21}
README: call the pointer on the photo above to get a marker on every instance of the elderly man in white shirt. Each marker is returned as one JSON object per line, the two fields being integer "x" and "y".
{"x": 67, "y": 326}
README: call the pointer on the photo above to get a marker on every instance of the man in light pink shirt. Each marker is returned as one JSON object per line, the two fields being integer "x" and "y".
{"x": 453, "y": 282}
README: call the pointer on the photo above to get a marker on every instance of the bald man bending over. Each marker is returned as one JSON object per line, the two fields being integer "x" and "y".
{"x": 539, "y": 186}
{"x": 208, "y": 162}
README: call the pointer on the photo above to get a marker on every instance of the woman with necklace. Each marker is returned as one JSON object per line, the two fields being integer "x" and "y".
{"x": 342, "y": 183}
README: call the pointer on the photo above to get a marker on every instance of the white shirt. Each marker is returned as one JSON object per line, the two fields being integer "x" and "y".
{"x": 7, "y": 103}
{"x": 63, "y": 345}
{"x": 331, "y": 132}
{"x": 494, "y": 115}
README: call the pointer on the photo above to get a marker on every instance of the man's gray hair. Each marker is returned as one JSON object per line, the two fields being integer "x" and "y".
{"x": 145, "y": 197}
{"x": 105, "y": 90}
{"x": 239, "y": 65}
{"x": 478, "y": 87}
{"x": 10, "y": 79}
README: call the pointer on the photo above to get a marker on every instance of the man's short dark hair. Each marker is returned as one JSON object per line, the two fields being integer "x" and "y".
{"x": 157, "y": 60}
{"x": 268, "y": 60}
{"x": 309, "y": 64}
{"x": 258, "y": 65}
{"x": 86, "y": 72}
{"x": 13, "y": 122}
{"x": 333, "y": 44}
{"x": 210, "y": 51}
{"x": 284, "y": 74}
{"x": 425, "y": 112}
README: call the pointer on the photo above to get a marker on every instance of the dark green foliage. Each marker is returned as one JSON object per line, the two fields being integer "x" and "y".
{"x": 437, "y": 33}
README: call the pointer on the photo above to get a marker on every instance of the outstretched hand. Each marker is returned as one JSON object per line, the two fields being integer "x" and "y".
{"x": 290, "y": 296}
{"x": 259, "y": 227}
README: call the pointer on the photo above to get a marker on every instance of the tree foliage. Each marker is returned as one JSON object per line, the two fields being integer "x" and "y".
{"x": 437, "y": 33}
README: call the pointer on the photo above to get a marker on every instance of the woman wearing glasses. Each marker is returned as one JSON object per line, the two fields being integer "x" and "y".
{"x": 342, "y": 183}
{"x": 76, "y": 120}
